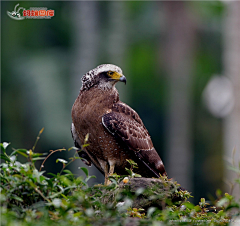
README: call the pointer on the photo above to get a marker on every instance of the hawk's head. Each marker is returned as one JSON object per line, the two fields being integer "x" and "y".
{"x": 104, "y": 76}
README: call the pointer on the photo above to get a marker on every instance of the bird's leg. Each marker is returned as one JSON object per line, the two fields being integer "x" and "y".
{"x": 112, "y": 166}
{"x": 106, "y": 181}
{"x": 107, "y": 173}
{"x": 104, "y": 166}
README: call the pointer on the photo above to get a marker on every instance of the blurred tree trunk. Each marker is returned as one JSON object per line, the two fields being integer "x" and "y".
{"x": 117, "y": 32}
{"x": 85, "y": 52}
{"x": 85, "y": 41}
{"x": 116, "y": 45}
{"x": 232, "y": 70}
{"x": 180, "y": 35}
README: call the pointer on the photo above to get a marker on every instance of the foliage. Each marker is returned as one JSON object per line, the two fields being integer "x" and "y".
{"x": 133, "y": 165}
{"x": 28, "y": 197}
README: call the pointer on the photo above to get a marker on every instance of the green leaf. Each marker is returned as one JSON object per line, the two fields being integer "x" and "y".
{"x": 22, "y": 152}
{"x": 137, "y": 175}
{"x": 53, "y": 175}
{"x": 188, "y": 205}
{"x": 197, "y": 208}
{"x": 86, "y": 138}
{"x": 62, "y": 161}
{"x": 17, "y": 175}
{"x": 17, "y": 198}
{"x": 218, "y": 193}
{"x": 42, "y": 178}
{"x": 38, "y": 154}
{"x": 78, "y": 214}
{"x": 65, "y": 181}
{"x": 38, "y": 158}
{"x": 68, "y": 172}
{"x": 202, "y": 203}
{"x": 222, "y": 202}
{"x": 64, "y": 196}
{"x": 129, "y": 171}
{"x": 113, "y": 180}
{"x": 233, "y": 206}
{"x": 5, "y": 157}
{"x": 85, "y": 170}
{"x": 4, "y": 146}
{"x": 89, "y": 177}
{"x": 73, "y": 148}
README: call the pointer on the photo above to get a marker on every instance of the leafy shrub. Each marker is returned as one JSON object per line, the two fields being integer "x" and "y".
{"x": 28, "y": 197}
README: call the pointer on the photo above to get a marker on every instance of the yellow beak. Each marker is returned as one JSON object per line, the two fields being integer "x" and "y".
{"x": 117, "y": 76}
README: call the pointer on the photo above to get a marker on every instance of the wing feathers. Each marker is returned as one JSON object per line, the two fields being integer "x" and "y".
{"x": 126, "y": 124}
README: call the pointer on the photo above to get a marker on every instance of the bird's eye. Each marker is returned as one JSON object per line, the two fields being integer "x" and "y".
{"x": 110, "y": 73}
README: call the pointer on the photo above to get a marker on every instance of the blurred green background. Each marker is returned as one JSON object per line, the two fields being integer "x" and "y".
{"x": 168, "y": 51}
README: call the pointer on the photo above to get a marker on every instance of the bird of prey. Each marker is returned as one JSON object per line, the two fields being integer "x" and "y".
{"x": 116, "y": 132}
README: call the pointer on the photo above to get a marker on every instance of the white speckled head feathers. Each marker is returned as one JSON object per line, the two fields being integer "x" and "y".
{"x": 89, "y": 78}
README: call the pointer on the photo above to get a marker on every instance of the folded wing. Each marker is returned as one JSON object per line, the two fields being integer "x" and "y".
{"x": 124, "y": 123}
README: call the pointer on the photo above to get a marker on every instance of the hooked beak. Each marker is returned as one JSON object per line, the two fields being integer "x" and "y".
{"x": 123, "y": 79}
{"x": 113, "y": 75}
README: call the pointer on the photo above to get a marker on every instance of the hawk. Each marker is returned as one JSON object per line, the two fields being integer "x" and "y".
{"x": 116, "y": 132}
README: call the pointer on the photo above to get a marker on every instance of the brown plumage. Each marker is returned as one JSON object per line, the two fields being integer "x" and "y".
{"x": 116, "y": 132}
